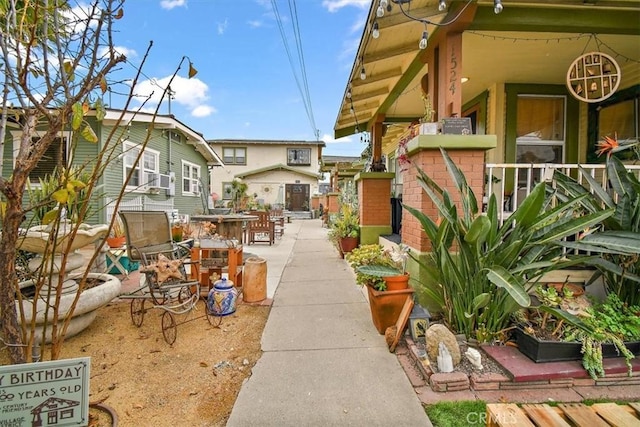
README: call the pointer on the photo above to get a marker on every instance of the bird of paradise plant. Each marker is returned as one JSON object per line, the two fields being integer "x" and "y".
{"x": 484, "y": 268}
{"x": 615, "y": 245}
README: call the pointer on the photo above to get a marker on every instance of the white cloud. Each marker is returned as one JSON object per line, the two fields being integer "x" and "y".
{"x": 255, "y": 23}
{"x": 203, "y": 111}
{"x": 222, "y": 26}
{"x": 129, "y": 53}
{"x": 329, "y": 139}
{"x": 335, "y": 5}
{"x": 170, "y": 4}
{"x": 189, "y": 93}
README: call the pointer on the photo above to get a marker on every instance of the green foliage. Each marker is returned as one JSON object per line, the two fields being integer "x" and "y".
{"x": 62, "y": 191}
{"x": 346, "y": 223}
{"x": 617, "y": 243}
{"x": 460, "y": 413}
{"x": 610, "y": 321}
{"x": 239, "y": 198}
{"x": 370, "y": 255}
{"x": 494, "y": 265}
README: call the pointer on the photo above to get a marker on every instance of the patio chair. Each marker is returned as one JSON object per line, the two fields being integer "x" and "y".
{"x": 277, "y": 216}
{"x": 166, "y": 281}
{"x": 150, "y": 231}
{"x": 262, "y": 229}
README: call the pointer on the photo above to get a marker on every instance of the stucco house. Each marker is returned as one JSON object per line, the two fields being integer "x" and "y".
{"x": 522, "y": 86}
{"x": 171, "y": 175}
{"x": 276, "y": 172}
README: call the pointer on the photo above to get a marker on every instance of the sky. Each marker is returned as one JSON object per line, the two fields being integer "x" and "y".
{"x": 250, "y": 84}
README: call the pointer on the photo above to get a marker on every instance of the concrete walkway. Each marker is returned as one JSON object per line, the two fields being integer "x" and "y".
{"x": 324, "y": 363}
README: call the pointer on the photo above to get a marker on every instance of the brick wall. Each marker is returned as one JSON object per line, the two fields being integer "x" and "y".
{"x": 374, "y": 201}
{"x": 332, "y": 205}
{"x": 470, "y": 162}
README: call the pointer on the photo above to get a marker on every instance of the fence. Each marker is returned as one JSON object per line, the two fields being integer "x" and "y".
{"x": 503, "y": 178}
{"x": 140, "y": 203}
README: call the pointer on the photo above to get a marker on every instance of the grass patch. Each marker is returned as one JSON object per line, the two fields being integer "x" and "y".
{"x": 462, "y": 413}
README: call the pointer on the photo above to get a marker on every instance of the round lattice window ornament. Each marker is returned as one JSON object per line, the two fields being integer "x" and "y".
{"x": 593, "y": 77}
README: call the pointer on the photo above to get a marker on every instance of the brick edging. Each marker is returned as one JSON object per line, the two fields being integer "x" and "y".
{"x": 456, "y": 381}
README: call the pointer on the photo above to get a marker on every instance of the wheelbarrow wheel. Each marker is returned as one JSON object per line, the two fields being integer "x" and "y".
{"x": 137, "y": 311}
{"x": 169, "y": 327}
{"x": 213, "y": 320}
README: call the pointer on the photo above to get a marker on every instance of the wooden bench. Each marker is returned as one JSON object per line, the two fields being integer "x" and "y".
{"x": 564, "y": 415}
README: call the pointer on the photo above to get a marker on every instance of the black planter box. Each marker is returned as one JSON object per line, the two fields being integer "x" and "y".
{"x": 556, "y": 351}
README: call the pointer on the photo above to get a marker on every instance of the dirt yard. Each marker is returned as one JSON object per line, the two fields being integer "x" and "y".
{"x": 146, "y": 382}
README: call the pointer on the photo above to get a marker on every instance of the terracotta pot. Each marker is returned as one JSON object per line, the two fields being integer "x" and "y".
{"x": 396, "y": 283}
{"x": 575, "y": 288}
{"x": 116, "y": 242}
{"x": 347, "y": 244}
{"x": 386, "y": 306}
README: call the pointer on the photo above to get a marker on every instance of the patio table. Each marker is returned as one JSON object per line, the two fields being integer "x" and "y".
{"x": 230, "y": 226}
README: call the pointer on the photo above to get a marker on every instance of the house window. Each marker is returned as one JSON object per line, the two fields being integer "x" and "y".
{"x": 227, "y": 190}
{"x": 299, "y": 156}
{"x": 144, "y": 169}
{"x": 54, "y": 157}
{"x": 617, "y": 116}
{"x": 66, "y": 413}
{"x": 234, "y": 155}
{"x": 540, "y": 133}
{"x": 190, "y": 178}
{"x": 173, "y": 136}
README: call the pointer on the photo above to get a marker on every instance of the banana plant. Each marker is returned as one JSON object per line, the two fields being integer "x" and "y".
{"x": 485, "y": 269}
{"x": 616, "y": 245}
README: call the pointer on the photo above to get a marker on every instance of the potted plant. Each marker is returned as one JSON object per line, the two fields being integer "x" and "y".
{"x": 345, "y": 229}
{"x": 386, "y": 305}
{"x": 117, "y": 238}
{"x": 391, "y": 267}
{"x": 177, "y": 232}
{"x": 427, "y": 125}
{"x": 566, "y": 328}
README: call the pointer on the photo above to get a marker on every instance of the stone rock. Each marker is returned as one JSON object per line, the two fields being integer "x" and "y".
{"x": 438, "y": 333}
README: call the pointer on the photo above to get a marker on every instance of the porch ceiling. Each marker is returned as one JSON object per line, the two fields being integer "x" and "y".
{"x": 529, "y": 42}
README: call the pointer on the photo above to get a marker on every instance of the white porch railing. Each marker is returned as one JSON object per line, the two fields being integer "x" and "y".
{"x": 512, "y": 182}
{"x": 140, "y": 203}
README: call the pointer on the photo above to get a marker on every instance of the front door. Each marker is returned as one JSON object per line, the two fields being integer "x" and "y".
{"x": 297, "y": 197}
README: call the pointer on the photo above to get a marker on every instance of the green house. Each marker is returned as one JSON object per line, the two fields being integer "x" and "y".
{"x": 172, "y": 174}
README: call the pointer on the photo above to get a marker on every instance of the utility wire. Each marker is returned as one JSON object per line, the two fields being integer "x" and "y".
{"x": 303, "y": 68}
{"x": 304, "y": 93}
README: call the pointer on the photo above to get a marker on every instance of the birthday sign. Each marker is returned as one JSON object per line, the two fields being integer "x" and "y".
{"x": 45, "y": 393}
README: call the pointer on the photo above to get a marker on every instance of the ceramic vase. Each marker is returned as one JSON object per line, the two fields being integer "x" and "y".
{"x": 222, "y": 298}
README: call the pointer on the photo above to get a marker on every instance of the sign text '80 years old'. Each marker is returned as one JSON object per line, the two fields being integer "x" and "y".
{"x": 45, "y": 393}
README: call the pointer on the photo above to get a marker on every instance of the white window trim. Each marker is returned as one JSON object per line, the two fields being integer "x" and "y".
{"x": 235, "y": 157}
{"x": 306, "y": 150}
{"x": 128, "y": 145}
{"x": 192, "y": 166}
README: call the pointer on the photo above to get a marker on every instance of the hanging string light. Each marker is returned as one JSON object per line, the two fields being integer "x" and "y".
{"x": 442, "y": 7}
{"x": 423, "y": 41}
{"x": 497, "y": 6}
